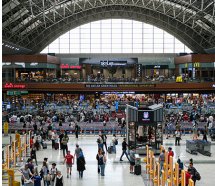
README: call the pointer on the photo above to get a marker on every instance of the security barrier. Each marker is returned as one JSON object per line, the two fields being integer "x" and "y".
{"x": 169, "y": 175}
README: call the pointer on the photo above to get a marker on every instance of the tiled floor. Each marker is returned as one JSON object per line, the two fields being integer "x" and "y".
{"x": 116, "y": 172}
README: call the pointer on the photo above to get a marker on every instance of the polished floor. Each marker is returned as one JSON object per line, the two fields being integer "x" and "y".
{"x": 118, "y": 172}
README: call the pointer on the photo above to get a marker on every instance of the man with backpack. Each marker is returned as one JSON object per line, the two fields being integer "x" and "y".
{"x": 194, "y": 173}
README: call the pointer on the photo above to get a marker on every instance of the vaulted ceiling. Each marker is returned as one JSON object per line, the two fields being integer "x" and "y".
{"x": 33, "y": 24}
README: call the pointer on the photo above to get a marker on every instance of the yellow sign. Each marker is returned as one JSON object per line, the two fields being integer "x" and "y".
{"x": 196, "y": 65}
{"x": 6, "y": 127}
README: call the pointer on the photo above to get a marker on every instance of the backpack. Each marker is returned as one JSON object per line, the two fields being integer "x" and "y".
{"x": 101, "y": 160}
{"x": 197, "y": 175}
{"x": 116, "y": 142}
{"x": 98, "y": 141}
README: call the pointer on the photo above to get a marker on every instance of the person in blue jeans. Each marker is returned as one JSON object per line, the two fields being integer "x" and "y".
{"x": 124, "y": 149}
{"x": 101, "y": 158}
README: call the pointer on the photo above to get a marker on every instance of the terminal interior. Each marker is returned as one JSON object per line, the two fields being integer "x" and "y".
{"x": 128, "y": 87}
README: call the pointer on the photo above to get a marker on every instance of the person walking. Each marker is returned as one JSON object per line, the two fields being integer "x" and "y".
{"x": 53, "y": 173}
{"x": 100, "y": 143}
{"x": 45, "y": 174}
{"x": 65, "y": 140}
{"x": 104, "y": 138}
{"x": 77, "y": 153}
{"x": 69, "y": 159}
{"x": 101, "y": 158}
{"x": 77, "y": 129}
{"x": 162, "y": 159}
{"x": 33, "y": 154}
{"x": 124, "y": 149}
{"x": 113, "y": 143}
{"x": 81, "y": 164}
{"x": 132, "y": 159}
{"x": 177, "y": 137}
{"x": 60, "y": 139}
{"x": 193, "y": 172}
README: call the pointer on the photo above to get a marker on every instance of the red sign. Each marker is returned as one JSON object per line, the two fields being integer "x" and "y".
{"x": 11, "y": 85}
{"x": 67, "y": 66}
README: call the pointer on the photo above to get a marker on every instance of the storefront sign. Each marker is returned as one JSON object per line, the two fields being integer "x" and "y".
{"x": 101, "y": 86}
{"x": 16, "y": 93}
{"x": 107, "y": 63}
{"x": 73, "y": 67}
{"x": 11, "y": 85}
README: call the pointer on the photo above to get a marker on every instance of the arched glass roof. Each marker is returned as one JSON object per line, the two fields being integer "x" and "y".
{"x": 116, "y": 36}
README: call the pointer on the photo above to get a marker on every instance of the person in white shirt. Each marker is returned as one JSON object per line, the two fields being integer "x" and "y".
{"x": 113, "y": 143}
{"x": 177, "y": 137}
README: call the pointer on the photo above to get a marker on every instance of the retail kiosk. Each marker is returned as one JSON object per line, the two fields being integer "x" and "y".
{"x": 144, "y": 127}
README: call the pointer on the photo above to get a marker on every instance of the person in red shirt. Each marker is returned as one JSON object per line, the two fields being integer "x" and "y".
{"x": 187, "y": 176}
{"x": 31, "y": 141}
{"x": 69, "y": 159}
{"x": 170, "y": 153}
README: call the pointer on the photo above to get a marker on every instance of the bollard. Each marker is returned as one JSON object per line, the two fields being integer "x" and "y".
{"x": 168, "y": 182}
{"x": 191, "y": 182}
{"x": 176, "y": 179}
{"x": 183, "y": 182}
{"x": 163, "y": 180}
{"x": 166, "y": 165}
{"x": 10, "y": 173}
{"x": 171, "y": 170}
{"x": 147, "y": 159}
{"x": 158, "y": 173}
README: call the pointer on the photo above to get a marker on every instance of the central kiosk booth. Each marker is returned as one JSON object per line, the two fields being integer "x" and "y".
{"x": 144, "y": 127}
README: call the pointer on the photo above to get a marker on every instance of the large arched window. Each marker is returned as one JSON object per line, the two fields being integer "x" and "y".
{"x": 116, "y": 36}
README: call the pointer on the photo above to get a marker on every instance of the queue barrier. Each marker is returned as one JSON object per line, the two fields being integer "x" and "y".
{"x": 16, "y": 152}
{"x": 169, "y": 175}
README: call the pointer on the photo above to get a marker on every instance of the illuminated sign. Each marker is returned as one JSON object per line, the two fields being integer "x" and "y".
{"x": 146, "y": 116}
{"x": 101, "y": 86}
{"x": 213, "y": 85}
{"x": 11, "y": 85}
{"x": 112, "y": 63}
{"x": 67, "y": 66}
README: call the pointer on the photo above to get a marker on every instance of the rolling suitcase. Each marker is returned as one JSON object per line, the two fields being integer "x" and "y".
{"x": 44, "y": 145}
{"x": 37, "y": 181}
{"x": 56, "y": 146}
{"x": 109, "y": 149}
{"x": 137, "y": 169}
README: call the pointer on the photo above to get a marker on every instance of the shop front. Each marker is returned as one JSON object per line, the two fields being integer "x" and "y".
{"x": 18, "y": 71}
{"x": 115, "y": 70}
{"x": 155, "y": 71}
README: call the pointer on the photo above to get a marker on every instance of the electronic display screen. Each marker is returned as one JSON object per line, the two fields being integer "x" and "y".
{"x": 145, "y": 116}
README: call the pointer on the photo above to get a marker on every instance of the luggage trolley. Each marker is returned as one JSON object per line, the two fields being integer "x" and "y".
{"x": 191, "y": 146}
{"x": 204, "y": 147}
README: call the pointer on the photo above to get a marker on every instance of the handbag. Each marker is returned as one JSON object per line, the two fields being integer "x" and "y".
{"x": 47, "y": 177}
